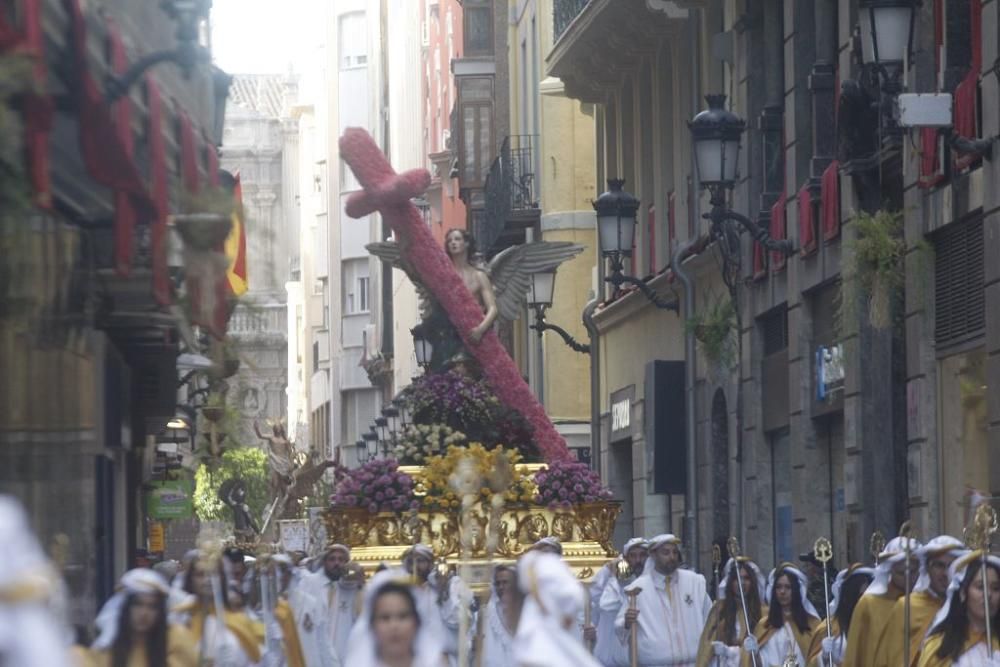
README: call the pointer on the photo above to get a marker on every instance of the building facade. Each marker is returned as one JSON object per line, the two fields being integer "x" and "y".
{"x": 830, "y": 412}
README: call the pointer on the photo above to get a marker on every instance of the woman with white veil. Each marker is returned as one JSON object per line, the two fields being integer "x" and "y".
{"x": 390, "y": 632}
{"x": 501, "y": 619}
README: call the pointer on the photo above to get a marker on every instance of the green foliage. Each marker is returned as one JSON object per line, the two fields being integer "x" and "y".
{"x": 247, "y": 463}
{"x": 714, "y": 327}
{"x": 875, "y": 274}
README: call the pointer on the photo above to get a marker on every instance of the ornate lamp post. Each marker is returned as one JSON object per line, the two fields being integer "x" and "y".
{"x": 616, "y": 210}
{"x": 422, "y": 347}
{"x": 540, "y": 298}
{"x": 887, "y": 37}
{"x": 716, "y": 133}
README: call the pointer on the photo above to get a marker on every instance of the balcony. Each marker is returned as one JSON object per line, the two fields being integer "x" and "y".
{"x": 563, "y": 13}
{"x": 511, "y": 196}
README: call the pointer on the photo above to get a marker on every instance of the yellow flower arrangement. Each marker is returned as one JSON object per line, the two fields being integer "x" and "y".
{"x": 435, "y": 478}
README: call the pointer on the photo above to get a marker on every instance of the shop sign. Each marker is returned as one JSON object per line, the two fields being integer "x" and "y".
{"x": 157, "y": 541}
{"x": 829, "y": 371}
{"x": 621, "y": 413}
{"x": 170, "y": 499}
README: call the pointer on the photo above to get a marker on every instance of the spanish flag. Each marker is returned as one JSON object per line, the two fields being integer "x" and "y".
{"x": 236, "y": 246}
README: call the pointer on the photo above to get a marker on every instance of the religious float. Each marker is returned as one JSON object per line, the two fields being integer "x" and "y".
{"x": 475, "y": 469}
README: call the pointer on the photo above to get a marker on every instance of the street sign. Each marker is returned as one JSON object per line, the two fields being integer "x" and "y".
{"x": 170, "y": 499}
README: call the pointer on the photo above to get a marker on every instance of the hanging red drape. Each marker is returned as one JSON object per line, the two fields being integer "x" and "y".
{"x": 829, "y": 201}
{"x": 759, "y": 265}
{"x": 671, "y": 221}
{"x": 930, "y": 173}
{"x": 966, "y": 91}
{"x": 211, "y": 163}
{"x": 103, "y": 152}
{"x": 651, "y": 239}
{"x": 125, "y": 217}
{"x": 779, "y": 230}
{"x": 160, "y": 190}
{"x": 38, "y": 107}
{"x": 807, "y": 232}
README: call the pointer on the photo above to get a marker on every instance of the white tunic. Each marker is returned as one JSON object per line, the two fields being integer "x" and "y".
{"x": 977, "y": 656}
{"x": 778, "y": 646}
{"x": 671, "y": 619}
{"x": 337, "y": 604}
{"x": 610, "y": 650}
{"x": 227, "y": 652}
{"x": 309, "y": 614}
{"x": 442, "y": 617}
{"x": 498, "y": 640}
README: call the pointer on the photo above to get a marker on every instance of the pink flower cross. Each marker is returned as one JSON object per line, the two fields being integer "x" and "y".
{"x": 390, "y": 194}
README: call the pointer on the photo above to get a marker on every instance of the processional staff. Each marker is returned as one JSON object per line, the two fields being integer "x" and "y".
{"x": 734, "y": 551}
{"x": 979, "y": 535}
{"x": 633, "y": 644}
{"x": 876, "y": 544}
{"x": 905, "y": 531}
{"x": 823, "y": 551}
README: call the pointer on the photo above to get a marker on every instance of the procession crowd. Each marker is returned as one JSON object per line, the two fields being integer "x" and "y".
{"x": 927, "y": 605}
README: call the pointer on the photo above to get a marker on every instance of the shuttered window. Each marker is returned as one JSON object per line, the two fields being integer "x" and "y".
{"x": 960, "y": 313}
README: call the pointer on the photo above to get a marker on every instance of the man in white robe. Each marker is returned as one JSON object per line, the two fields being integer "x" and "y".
{"x": 609, "y": 650}
{"x": 336, "y": 586}
{"x": 307, "y": 610}
{"x": 671, "y": 608}
{"x": 439, "y": 599}
{"x": 500, "y": 622}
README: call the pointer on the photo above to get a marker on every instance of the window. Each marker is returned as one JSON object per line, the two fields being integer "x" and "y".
{"x": 478, "y": 15}
{"x": 353, "y": 41}
{"x": 363, "y": 294}
{"x": 476, "y": 117}
{"x": 959, "y": 277}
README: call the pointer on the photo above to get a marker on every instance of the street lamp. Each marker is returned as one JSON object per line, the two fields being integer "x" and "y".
{"x": 716, "y": 136}
{"x": 370, "y": 441}
{"x": 616, "y": 210}
{"x": 422, "y": 346}
{"x": 391, "y": 414}
{"x": 382, "y": 429}
{"x": 887, "y": 32}
{"x": 540, "y": 298}
{"x": 404, "y": 412}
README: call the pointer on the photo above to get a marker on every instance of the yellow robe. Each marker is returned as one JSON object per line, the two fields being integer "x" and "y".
{"x": 182, "y": 651}
{"x": 867, "y": 625}
{"x": 813, "y": 656}
{"x": 928, "y": 654}
{"x": 249, "y": 634}
{"x": 290, "y": 634}
{"x": 924, "y": 605}
{"x": 764, "y": 632}
{"x": 713, "y": 632}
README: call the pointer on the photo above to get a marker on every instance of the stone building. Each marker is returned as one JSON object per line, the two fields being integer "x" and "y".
{"x": 261, "y": 145}
{"x": 829, "y": 416}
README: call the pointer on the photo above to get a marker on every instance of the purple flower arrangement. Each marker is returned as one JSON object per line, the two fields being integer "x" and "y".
{"x": 377, "y": 486}
{"x": 567, "y": 483}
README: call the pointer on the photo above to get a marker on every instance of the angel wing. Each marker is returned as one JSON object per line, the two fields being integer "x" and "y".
{"x": 389, "y": 252}
{"x": 510, "y": 271}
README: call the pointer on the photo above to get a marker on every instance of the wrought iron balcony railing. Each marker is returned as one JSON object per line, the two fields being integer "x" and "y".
{"x": 563, "y": 13}
{"x": 511, "y": 189}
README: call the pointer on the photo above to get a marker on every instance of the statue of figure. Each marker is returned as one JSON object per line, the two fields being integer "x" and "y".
{"x": 280, "y": 457}
{"x": 500, "y": 287}
{"x": 233, "y": 494}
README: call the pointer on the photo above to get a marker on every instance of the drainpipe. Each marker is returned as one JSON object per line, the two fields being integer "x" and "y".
{"x": 690, "y": 351}
{"x": 595, "y": 382}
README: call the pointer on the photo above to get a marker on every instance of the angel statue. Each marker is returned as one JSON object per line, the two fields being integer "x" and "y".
{"x": 499, "y": 286}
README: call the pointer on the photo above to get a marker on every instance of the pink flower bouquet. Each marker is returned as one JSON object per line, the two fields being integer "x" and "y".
{"x": 377, "y": 486}
{"x": 567, "y": 483}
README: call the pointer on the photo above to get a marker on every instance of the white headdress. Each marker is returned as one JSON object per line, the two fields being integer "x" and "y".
{"x": 29, "y": 630}
{"x": 633, "y": 543}
{"x": 658, "y": 541}
{"x": 957, "y": 572}
{"x": 362, "y": 649}
{"x": 803, "y": 582}
{"x": 941, "y": 545}
{"x": 418, "y": 550}
{"x": 139, "y": 580}
{"x": 339, "y": 547}
{"x": 894, "y": 552}
{"x": 841, "y": 579}
{"x": 554, "y": 599}
{"x": 757, "y": 575}
{"x": 549, "y": 542}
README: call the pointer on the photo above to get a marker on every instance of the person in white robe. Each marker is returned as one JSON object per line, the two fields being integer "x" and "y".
{"x": 553, "y": 600}
{"x": 500, "y": 621}
{"x": 336, "y": 586}
{"x": 412, "y": 638}
{"x": 317, "y": 650}
{"x": 671, "y": 608}
{"x": 439, "y": 599}
{"x": 609, "y": 650}
{"x": 31, "y": 632}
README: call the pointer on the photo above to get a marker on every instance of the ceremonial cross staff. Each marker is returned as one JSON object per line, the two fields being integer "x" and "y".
{"x": 717, "y": 562}
{"x": 904, "y": 531}
{"x": 390, "y": 194}
{"x": 633, "y": 645}
{"x": 734, "y": 551}
{"x": 823, "y": 551}
{"x": 979, "y": 535}
{"x": 876, "y": 544}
